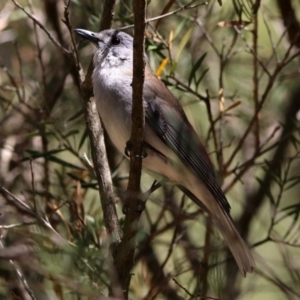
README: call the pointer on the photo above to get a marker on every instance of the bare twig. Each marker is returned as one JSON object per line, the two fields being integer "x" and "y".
{"x": 33, "y": 184}
{"x": 99, "y": 156}
{"x": 53, "y": 40}
{"x": 174, "y": 12}
{"x": 255, "y": 75}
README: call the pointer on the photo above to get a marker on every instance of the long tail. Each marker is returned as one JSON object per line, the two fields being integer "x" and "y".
{"x": 237, "y": 246}
{"x": 240, "y": 251}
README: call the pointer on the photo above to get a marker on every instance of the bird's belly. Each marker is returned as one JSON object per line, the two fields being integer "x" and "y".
{"x": 113, "y": 100}
{"x": 116, "y": 120}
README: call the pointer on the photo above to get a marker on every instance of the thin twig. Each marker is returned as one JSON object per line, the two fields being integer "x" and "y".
{"x": 32, "y": 184}
{"x": 255, "y": 76}
{"x": 53, "y": 40}
{"x": 174, "y": 12}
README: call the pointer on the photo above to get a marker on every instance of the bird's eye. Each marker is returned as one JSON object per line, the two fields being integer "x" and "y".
{"x": 115, "y": 41}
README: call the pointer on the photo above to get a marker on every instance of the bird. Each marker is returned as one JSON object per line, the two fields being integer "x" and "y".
{"x": 173, "y": 148}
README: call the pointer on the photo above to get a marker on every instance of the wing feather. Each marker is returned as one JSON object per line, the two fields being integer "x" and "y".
{"x": 177, "y": 133}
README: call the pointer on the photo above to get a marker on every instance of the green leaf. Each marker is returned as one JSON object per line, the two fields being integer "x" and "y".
{"x": 76, "y": 115}
{"x": 266, "y": 190}
{"x": 39, "y": 133}
{"x": 196, "y": 67}
{"x": 294, "y": 207}
{"x": 64, "y": 163}
{"x": 201, "y": 77}
{"x": 72, "y": 132}
{"x": 37, "y": 154}
{"x": 183, "y": 43}
{"x": 295, "y": 142}
{"x": 83, "y": 138}
{"x": 90, "y": 185}
{"x": 294, "y": 182}
{"x": 237, "y": 8}
{"x": 275, "y": 171}
{"x": 179, "y": 27}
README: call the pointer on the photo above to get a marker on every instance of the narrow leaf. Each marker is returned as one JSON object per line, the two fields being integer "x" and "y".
{"x": 266, "y": 190}
{"x": 201, "y": 77}
{"x": 76, "y": 115}
{"x": 72, "y": 132}
{"x": 83, "y": 138}
{"x": 36, "y": 154}
{"x": 64, "y": 163}
{"x": 183, "y": 43}
{"x": 196, "y": 67}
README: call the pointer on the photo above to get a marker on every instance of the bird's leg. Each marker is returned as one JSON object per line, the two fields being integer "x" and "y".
{"x": 128, "y": 148}
{"x": 140, "y": 207}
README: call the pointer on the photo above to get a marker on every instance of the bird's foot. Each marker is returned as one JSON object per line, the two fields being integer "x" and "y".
{"x": 128, "y": 148}
{"x": 127, "y": 207}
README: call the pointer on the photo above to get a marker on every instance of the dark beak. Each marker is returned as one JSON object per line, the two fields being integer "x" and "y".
{"x": 88, "y": 35}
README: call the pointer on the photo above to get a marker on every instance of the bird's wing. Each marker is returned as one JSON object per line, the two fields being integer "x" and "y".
{"x": 167, "y": 119}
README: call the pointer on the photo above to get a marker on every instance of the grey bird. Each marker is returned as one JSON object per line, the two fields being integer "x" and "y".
{"x": 173, "y": 148}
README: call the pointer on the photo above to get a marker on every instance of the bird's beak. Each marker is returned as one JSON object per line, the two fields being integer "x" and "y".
{"x": 89, "y": 35}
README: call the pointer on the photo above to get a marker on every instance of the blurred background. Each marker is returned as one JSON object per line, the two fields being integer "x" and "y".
{"x": 234, "y": 66}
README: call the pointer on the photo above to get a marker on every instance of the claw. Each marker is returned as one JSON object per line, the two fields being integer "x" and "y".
{"x": 128, "y": 150}
{"x": 140, "y": 208}
{"x": 144, "y": 154}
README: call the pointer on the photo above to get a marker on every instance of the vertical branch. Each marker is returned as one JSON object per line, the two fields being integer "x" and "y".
{"x": 137, "y": 115}
{"x": 98, "y": 150}
{"x": 126, "y": 251}
{"x": 255, "y": 74}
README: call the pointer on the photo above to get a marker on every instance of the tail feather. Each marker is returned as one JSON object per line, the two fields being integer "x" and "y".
{"x": 240, "y": 251}
{"x": 237, "y": 246}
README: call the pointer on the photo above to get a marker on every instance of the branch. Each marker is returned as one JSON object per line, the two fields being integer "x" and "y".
{"x": 126, "y": 251}
{"x": 255, "y": 75}
{"x": 98, "y": 150}
{"x": 174, "y": 12}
